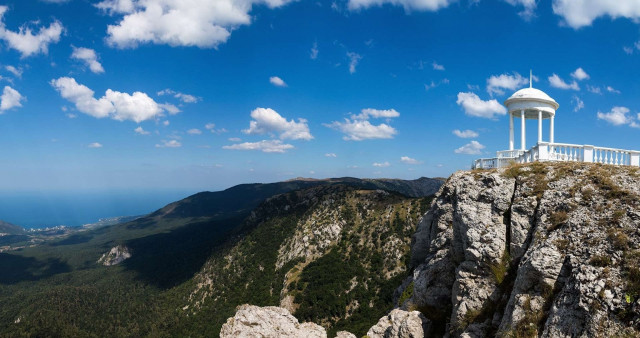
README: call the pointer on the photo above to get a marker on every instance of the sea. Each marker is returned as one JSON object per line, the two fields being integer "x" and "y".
{"x": 48, "y": 209}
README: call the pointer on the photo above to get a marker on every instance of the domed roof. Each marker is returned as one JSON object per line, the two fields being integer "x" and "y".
{"x": 531, "y": 94}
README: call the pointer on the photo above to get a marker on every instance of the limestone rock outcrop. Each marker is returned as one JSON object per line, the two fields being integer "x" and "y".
{"x": 115, "y": 256}
{"x": 270, "y": 321}
{"x": 543, "y": 249}
{"x": 401, "y": 324}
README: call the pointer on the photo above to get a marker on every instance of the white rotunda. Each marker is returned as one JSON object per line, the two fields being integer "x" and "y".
{"x": 531, "y": 103}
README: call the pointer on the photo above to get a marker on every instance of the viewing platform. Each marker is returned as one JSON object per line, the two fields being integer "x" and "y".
{"x": 531, "y": 103}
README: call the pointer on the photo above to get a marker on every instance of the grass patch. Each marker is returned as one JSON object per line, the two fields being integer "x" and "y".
{"x": 558, "y": 219}
{"x": 500, "y": 269}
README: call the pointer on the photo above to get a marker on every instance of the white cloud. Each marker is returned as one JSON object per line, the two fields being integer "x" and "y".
{"x": 408, "y": 5}
{"x": 276, "y": 81}
{"x": 170, "y": 108}
{"x": 580, "y": 74}
{"x": 465, "y": 133}
{"x": 169, "y": 144}
{"x": 612, "y": 90}
{"x": 474, "y": 106}
{"x": 314, "y": 51}
{"x": 593, "y": 89}
{"x": 25, "y": 41}
{"x": 617, "y": 116}
{"x": 117, "y": 6}
{"x": 358, "y": 130}
{"x": 267, "y": 146}
{"x": 267, "y": 120}
{"x": 354, "y": 58}
{"x": 210, "y": 126}
{"x": 186, "y": 98}
{"x": 580, "y": 13}
{"x": 71, "y": 116}
{"x": 194, "y": 131}
{"x": 529, "y": 7}
{"x": 578, "y": 103}
{"x": 473, "y": 148}
{"x": 119, "y": 106}
{"x": 89, "y": 57}
{"x": 556, "y": 82}
{"x": 141, "y": 131}
{"x": 10, "y": 98}
{"x": 382, "y": 165}
{"x": 165, "y": 122}
{"x": 628, "y": 50}
{"x": 94, "y": 145}
{"x": 497, "y": 83}
{"x": 409, "y": 160}
{"x": 376, "y": 113}
{"x": 17, "y": 72}
{"x": 234, "y": 139}
{"x": 330, "y": 155}
{"x": 437, "y": 66}
{"x": 199, "y": 23}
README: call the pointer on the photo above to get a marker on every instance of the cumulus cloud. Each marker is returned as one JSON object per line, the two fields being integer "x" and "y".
{"x": 577, "y": 14}
{"x": 186, "y": 98}
{"x": 472, "y": 148}
{"x": 475, "y": 106}
{"x": 25, "y": 41}
{"x": 330, "y": 155}
{"x": 276, "y": 81}
{"x": 89, "y": 57}
{"x": 169, "y": 144}
{"x": 119, "y": 106}
{"x": 617, "y": 116}
{"x": 358, "y": 127}
{"x": 556, "y": 82}
{"x": 199, "y": 23}
{"x": 612, "y": 90}
{"x": 593, "y": 89}
{"x": 267, "y": 120}
{"x": 465, "y": 133}
{"x": 497, "y": 83}
{"x": 95, "y": 145}
{"x": 10, "y": 98}
{"x": 17, "y": 72}
{"x": 580, "y": 74}
{"x": 266, "y": 146}
{"x": 382, "y": 165}
{"x": 409, "y": 160}
{"x": 170, "y": 108}
{"x": 194, "y": 131}
{"x": 577, "y": 103}
{"x": 437, "y": 66}
{"x": 354, "y": 59}
{"x": 234, "y": 139}
{"x": 408, "y": 5}
{"x": 528, "y": 7}
{"x": 313, "y": 54}
{"x": 141, "y": 131}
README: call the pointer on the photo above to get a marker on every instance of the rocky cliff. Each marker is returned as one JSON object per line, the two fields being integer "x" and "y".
{"x": 547, "y": 250}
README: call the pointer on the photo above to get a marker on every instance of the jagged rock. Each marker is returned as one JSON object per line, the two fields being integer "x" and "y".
{"x": 115, "y": 256}
{"x": 401, "y": 324}
{"x": 345, "y": 334}
{"x": 541, "y": 249}
{"x": 270, "y": 321}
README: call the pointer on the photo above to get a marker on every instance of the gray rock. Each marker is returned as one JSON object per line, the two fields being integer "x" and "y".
{"x": 401, "y": 324}
{"x": 270, "y": 321}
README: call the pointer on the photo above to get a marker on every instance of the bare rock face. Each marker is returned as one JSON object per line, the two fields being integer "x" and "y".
{"x": 115, "y": 256}
{"x": 549, "y": 250}
{"x": 401, "y": 324}
{"x": 270, "y": 321}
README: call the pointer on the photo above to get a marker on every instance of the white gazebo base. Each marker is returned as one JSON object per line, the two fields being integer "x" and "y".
{"x": 561, "y": 152}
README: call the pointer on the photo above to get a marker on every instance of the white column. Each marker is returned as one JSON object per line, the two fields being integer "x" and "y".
{"x": 510, "y": 131}
{"x": 522, "y": 135}
{"x": 539, "y": 126}
{"x": 551, "y": 129}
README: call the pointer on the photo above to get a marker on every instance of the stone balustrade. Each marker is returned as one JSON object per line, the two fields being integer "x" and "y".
{"x": 561, "y": 152}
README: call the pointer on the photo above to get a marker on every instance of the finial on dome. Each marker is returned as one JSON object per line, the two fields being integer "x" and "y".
{"x": 530, "y": 78}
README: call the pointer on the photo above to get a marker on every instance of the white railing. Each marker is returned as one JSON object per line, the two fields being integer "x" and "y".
{"x": 561, "y": 152}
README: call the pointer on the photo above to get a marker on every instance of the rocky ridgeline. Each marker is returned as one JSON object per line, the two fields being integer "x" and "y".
{"x": 550, "y": 250}
{"x": 115, "y": 256}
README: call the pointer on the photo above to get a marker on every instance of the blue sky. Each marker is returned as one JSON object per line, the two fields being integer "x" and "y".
{"x": 205, "y": 94}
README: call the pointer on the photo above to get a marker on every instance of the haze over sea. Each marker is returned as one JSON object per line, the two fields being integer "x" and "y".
{"x": 75, "y": 208}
